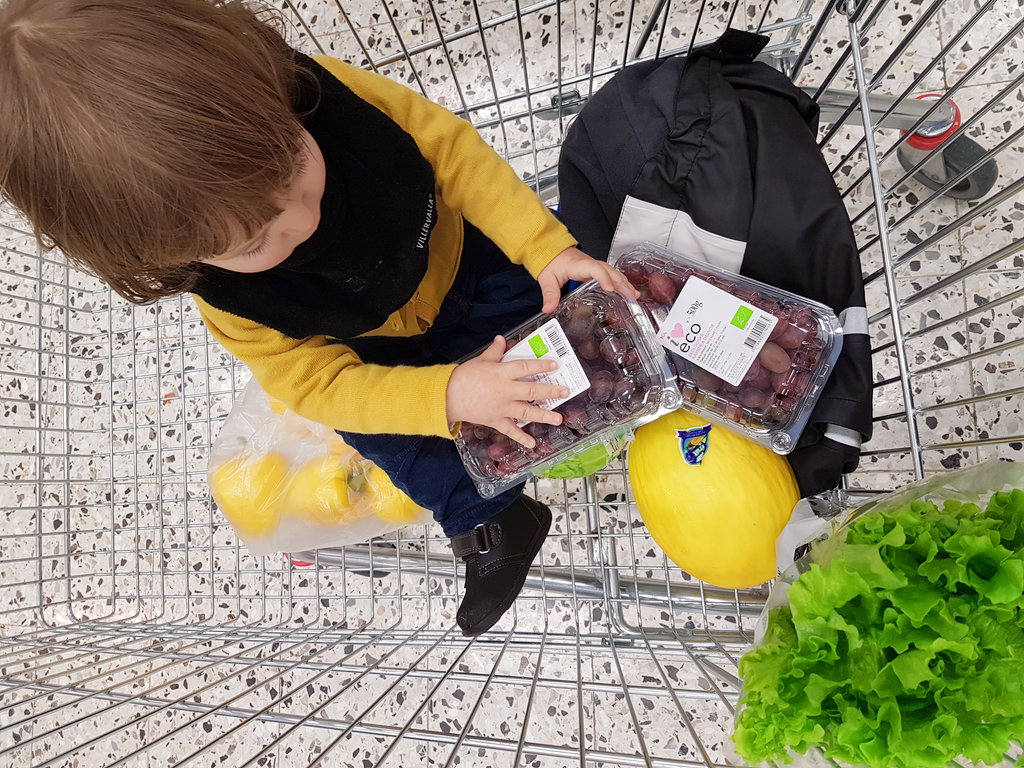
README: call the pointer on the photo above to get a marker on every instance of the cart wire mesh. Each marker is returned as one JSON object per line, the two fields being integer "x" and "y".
{"x": 136, "y": 631}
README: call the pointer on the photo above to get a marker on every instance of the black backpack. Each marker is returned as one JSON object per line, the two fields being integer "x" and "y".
{"x": 717, "y": 152}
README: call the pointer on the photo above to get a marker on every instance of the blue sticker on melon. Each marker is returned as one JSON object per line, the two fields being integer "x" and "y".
{"x": 694, "y": 444}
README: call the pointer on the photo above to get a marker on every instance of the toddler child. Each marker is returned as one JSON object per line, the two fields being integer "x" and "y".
{"x": 345, "y": 238}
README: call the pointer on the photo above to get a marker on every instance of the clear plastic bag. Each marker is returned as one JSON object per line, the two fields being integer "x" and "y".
{"x": 898, "y": 640}
{"x": 286, "y": 483}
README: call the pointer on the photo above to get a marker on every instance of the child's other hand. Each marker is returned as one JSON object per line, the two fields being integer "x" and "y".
{"x": 486, "y": 391}
{"x": 574, "y": 264}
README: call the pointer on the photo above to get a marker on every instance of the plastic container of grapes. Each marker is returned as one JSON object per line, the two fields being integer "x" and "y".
{"x": 627, "y": 384}
{"x": 774, "y": 400}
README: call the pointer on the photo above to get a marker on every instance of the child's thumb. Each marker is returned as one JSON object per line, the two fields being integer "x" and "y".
{"x": 551, "y": 292}
{"x": 494, "y": 352}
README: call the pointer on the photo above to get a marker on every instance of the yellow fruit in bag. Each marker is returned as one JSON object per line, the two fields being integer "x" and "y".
{"x": 389, "y": 503}
{"x": 712, "y": 499}
{"x": 319, "y": 492}
{"x": 248, "y": 492}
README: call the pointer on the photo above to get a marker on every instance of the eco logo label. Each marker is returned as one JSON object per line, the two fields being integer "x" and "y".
{"x": 742, "y": 317}
{"x": 538, "y": 346}
{"x": 694, "y": 444}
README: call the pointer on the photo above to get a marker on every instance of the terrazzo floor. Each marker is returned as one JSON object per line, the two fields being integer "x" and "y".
{"x": 134, "y": 630}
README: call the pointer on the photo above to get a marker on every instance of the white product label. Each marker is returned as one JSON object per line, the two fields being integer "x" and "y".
{"x": 550, "y": 343}
{"x": 715, "y": 330}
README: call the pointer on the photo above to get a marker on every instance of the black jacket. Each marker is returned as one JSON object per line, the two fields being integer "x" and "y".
{"x": 716, "y": 154}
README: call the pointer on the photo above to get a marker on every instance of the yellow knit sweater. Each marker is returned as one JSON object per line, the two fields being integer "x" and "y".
{"x": 327, "y": 382}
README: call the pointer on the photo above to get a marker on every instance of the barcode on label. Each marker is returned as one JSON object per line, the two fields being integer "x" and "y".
{"x": 756, "y": 333}
{"x": 557, "y": 341}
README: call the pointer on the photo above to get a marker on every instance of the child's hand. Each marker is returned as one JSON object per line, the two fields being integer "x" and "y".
{"x": 486, "y": 391}
{"x": 574, "y": 264}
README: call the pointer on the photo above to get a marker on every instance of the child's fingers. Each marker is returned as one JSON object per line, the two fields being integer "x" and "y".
{"x": 528, "y": 413}
{"x": 510, "y": 430}
{"x": 625, "y": 287}
{"x": 541, "y": 415}
{"x": 613, "y": 280}
{"x": 521, "y": 369}
{"x": 534, "y": 391}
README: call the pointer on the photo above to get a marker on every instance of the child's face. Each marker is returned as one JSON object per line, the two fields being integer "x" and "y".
{"x": 299, "y": 218}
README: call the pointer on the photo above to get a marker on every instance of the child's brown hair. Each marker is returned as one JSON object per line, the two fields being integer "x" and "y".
{"x": 139, "y": 136}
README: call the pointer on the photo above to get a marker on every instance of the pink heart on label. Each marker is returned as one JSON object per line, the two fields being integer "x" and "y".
{"x": 678, "y": 330}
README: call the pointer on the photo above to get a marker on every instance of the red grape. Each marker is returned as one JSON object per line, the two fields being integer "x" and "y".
{"x": 663, "y": 290}
{"x": 589, "y": 349}
{"x": 792, "y": 337}
{"x": 774, "y": 358}
{"x": 577, "y": 329}
{"x": 536, "y": 429}
{"x": 600, "y": 387}
{"x": 615, "y": 319}
{"x": 780, "y": 327}
{"x": 478, "y": 450}
{"x": 706, "y": 380}
{"x": 754, "y": 399}
{"x": 575, "y": 418}
{"x": 761, "y": 378}
{"x": 613, "y": 346}
{"x": 623, "y": 389}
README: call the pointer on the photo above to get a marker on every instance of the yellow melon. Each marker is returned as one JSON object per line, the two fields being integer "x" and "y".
{"x": 712, "y": 499}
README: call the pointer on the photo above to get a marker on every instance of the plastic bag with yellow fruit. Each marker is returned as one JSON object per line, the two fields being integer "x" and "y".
{"x": 287, "y": 484}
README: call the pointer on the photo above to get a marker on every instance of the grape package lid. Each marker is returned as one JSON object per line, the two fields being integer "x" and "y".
{"x": 749, "y": 356}
{"x": 613, "y": 367}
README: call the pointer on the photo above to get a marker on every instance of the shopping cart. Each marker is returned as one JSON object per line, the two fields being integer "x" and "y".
{"x": 136, "y": 631}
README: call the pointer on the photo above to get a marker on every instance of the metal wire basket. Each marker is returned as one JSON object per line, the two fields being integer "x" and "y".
{"x": 135, "y": 630}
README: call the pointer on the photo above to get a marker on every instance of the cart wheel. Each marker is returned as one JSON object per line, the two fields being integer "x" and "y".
{"x": 955, "y": 156}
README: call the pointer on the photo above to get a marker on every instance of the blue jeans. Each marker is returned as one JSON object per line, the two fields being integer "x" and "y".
{"x": 490, "y": 295}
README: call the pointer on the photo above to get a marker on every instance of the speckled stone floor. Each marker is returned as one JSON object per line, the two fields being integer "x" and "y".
{"x": 135, "y": 630}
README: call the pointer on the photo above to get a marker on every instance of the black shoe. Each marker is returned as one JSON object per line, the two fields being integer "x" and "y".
{"x": 498, "y": 554}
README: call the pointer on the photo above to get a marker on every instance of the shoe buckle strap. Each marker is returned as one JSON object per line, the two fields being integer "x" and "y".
{"x": 477, "y": 541}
